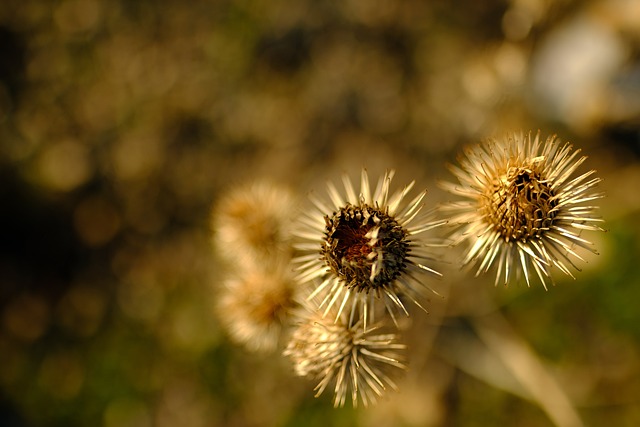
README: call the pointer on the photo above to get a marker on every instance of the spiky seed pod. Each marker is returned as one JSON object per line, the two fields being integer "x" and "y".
{"x": 255, "y": 305}
{"x": 360, "y": 362}
{"x": 524, "y": 209}
{"x": 365, "y": 247}
{"x": 250, "y": 224}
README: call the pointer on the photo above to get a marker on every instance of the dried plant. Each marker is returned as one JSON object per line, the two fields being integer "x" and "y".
{"x": 361, "y": 253}
{"x": 365, "y": 247}
{"x": 332, "y": 349}
{"x": 255, "y": 304}
{"x": 251, "y": 232}
{"x": 251, "y": 223}
{"x": 523, "y": 211}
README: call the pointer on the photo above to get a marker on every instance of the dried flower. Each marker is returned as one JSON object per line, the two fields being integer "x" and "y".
{"x": 358, "y": 359}
{"x": 255, "y": 306}
{"x": 363, "y": 248}
{"x": 523, "y": 210}
{"x": 250, "y": 224}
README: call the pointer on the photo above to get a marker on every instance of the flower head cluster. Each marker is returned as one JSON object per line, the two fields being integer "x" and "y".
{"x": 365, "y": 247}
{"x": 332, "y": 350}
{"x": 251, "y": 232}
{"x": 524, "y": 209}
{"x": 361, "y": 254}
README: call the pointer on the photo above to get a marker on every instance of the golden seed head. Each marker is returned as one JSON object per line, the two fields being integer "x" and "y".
{"x": 520, "y": 204}
{"x": 524, "y": 207}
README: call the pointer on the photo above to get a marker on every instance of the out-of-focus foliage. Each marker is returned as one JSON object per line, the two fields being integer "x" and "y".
{"x": 123, "y": 122}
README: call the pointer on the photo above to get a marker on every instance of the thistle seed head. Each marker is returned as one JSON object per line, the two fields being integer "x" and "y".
{"x": 372, "y": 252}
{"x": 365, "y": 247}
{"x": 360, "y": 362}
{"x": 522, "y": 207}
{"x": 520, "y": 204}
{"x": 254, "y": 306}
{"x": 250, "y": 224}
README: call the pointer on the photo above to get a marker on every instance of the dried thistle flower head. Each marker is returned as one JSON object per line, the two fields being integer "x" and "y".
{"x": 525, "y": 209}
{"x": 255, "y": 306}
{"x": 359, "y": 361}
{"x": 250, "y": 224}
{"x": 365, "y": 247}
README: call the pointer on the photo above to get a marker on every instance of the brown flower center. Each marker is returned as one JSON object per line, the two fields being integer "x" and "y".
{"x": 365, "y": 247}
{"x": 522, "y": 205}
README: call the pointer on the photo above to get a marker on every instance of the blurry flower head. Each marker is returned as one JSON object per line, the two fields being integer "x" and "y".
{"x": 255, "y": 305}
{"x": 524, "y": 208}
{"x": 364, "y": 247}
{"x": 250, "y": 224}
{"x": 359, "y": 361}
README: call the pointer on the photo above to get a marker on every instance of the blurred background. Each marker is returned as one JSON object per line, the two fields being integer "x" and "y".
{"x": 123, "y": 122}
